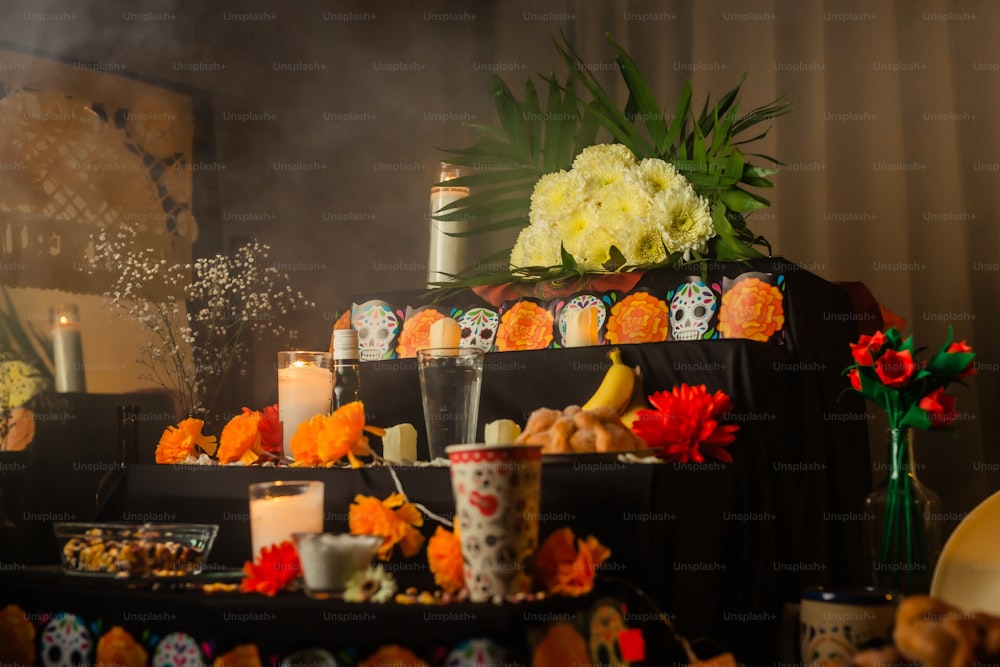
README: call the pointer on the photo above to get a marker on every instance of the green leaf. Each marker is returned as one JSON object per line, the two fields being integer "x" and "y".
{"x": 615, "y": 261}
{"x": 532, "y": 115}
{"x": 646, "y": 105}
{"x": 742, "y": 201}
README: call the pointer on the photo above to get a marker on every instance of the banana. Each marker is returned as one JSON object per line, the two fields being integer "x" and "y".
{"x": 615, "y": 389}
{"x": 637, "y": 402}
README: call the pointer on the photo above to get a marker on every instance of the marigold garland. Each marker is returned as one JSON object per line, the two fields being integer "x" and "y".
{"x": 444, "y": 556}
{"x": 394, "y": 519}
{"x": 184, "y": 440}
{"x": 272, "y": 570}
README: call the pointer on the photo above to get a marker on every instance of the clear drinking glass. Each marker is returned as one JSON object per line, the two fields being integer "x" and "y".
{"x": 450, "y": 383}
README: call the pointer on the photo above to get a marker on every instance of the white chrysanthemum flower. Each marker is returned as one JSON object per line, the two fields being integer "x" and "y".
{"x": 643, "y": 244}
{"x": 660, "y": 175}
{"x": 623, "y": 205}
{"x": 552, "y": 193}
{"x": 597, "y": 156}
{"x": 537, "y": 245}
{"x": 685, "y": 220}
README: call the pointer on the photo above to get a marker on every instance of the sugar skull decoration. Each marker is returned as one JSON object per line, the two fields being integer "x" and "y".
{"x": 691, "y": 311}
{"x": 606, "y": 625}
{"x": 377, "y": 326}
{"x": 478, "y": 652}
{"x": 177, "y": 648}
{"x": 479, "y": 328}
{"x": 66, "y": 642}
{"x": 580, "y": 302}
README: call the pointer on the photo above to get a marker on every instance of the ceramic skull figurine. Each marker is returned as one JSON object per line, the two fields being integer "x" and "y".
{"x": 377, "y": 326}
{"x": 479, "y": 328}
{"x": 66, "y": 642}
{"x": 691, "y": 310}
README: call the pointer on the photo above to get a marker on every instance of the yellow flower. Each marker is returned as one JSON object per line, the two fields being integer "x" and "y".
{"x": 179, "y": 442}
{"x": 686, "y": 221}
{"x": 240, "y": 440}
{"x": 393, "y": 519}
{"x": 19, "y": 382}
{"x": 659, "y": 175}
{"x": 596, "y": 156}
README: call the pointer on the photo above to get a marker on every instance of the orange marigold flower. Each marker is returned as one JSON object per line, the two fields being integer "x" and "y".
{"x": 244, "y": 655}
{"x": 344, "y": 321}
{"x": 416, "y": 333}
{"x": 179, "y": 442}
{"x": 525, "y": 326}
{"x": 270, "y": 430}
{"x": 393, "y": 655}
{"x": 117, "y": 648}
{"x": 393, "y": 519}
{"x": 240, "y": 439}
{"x": 17, "y": 637}
{"x": 444, "y": 556}
{"x": 565, "y": 569}
{"x": 274, "y": 568}
{"x": 685, "y": 424}
{"x": 326, "y": 439}
{"x": 342, "y": 435}
{"x": 751, "y": 309}
{"x": 638, "y": 318}
{"x": 305, "y": 442}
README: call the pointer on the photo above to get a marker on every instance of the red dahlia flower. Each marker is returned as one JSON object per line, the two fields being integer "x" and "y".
{"x": 685, "y": 424}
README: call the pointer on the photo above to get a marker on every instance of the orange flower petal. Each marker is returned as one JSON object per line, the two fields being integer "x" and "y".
{"x": 240, "y": 438}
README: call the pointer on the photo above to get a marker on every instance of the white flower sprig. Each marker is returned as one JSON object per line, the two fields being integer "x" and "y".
{"x": 201, "y": 315}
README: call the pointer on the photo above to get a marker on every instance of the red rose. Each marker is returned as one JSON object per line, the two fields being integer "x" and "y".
{"x": 940, "y": 408}
{"x": 866, "y": 347}
{"x": 961, "y": 348}
{"x": 855, "y": 378}
{"x": 894, "y": 369}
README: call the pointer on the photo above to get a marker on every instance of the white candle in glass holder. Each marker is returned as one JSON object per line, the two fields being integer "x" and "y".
{"x": 305, "y": 389}
{"x": 280, "y": 509}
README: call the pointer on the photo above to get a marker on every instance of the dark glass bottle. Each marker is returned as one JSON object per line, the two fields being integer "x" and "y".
{"x": 346, "y": 367}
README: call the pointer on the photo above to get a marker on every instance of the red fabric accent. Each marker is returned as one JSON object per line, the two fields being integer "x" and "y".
{"x": 604, "y": 282}
{"x": 632, "y": 645}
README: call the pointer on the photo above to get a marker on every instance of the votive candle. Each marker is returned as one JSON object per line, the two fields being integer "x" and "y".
{"x": 67, "y": 349}
{"x": 305, "y": 389}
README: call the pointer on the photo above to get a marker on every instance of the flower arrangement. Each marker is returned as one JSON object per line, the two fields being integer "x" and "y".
{"x": 902, "y": 533}
{"x": 202, "y": 315}
{"x": 684, "y": 424}
{"x": 610, "y": 211}
{"x": 656, "y": 189}
{"x": 912, "y": 392}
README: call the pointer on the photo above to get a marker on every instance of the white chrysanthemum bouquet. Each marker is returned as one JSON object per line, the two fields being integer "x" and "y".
{"x": 611, "y": 211}
{"x": 658, "y": 189}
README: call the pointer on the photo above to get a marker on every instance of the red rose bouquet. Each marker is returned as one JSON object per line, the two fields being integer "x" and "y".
{"x": 887, "y": 373}
{"x": 902, "y": 532}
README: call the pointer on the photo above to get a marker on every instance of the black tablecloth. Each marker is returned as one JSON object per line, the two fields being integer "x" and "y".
{"x": 290, "y": 621}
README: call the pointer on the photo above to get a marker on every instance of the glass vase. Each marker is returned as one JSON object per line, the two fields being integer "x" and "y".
{"x": 902, "y": 523}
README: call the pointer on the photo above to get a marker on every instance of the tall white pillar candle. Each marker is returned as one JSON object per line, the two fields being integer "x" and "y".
{"x": 67, "y": 349}
{"x": 448, "y": 254}
{"x": 305, "y": 389}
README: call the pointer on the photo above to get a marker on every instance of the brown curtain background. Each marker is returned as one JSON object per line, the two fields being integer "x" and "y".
{"x": 891, "y": 156}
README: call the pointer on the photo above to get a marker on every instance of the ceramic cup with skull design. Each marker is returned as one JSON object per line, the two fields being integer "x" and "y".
{"x": 497, "y": 496}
